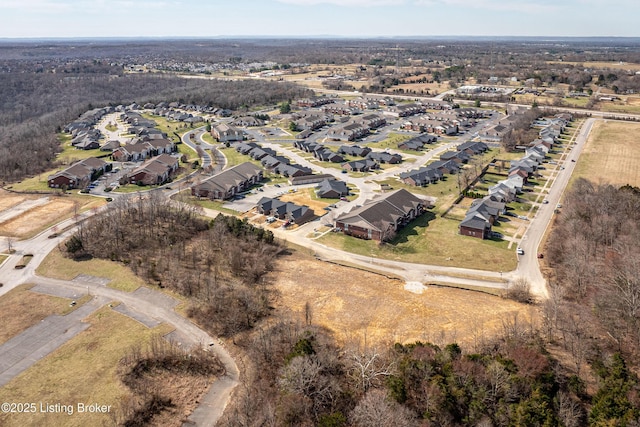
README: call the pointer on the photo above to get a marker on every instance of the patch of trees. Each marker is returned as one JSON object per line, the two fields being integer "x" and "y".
{"x": 595, "y": 252}
{"x": 521, "y": 132}
{"x": 301, "y": 377}
{"x": 219, "y": 265}
{"x": 165, "y": 381}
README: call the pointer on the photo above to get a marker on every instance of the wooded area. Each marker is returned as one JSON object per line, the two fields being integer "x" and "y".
{"x": 34, "y": 106}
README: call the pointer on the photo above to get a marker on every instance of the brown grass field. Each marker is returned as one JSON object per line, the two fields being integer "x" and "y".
{"x": 611, "y": 154}
{"x": 38, "y": 218}
{"x": 55, "y": 265}
{"x": 358, "y": 305}
{"x": 9, "y": 200}
{"x": 35, "y": 218}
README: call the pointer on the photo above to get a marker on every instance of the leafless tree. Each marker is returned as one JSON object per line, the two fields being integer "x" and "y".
{"x": 375, "y": 409}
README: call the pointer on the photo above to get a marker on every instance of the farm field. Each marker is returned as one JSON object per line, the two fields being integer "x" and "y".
{"x": 611, "y": 154}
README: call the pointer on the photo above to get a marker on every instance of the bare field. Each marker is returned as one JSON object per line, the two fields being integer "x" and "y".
{"x": 302, "y": 197}
{"x": 611, "y": 154}
{"x": 9, "y": 200}
{"x": 36, "y": 218}
{"x": 355, "y": 304}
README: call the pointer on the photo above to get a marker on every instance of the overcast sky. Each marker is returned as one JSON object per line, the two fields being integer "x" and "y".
{"x": 354, "y": 18}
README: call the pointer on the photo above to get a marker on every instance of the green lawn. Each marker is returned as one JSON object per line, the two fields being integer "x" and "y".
{"x": 391, "y": 142}
{"x": 234, "y": 158}
{"x": 432, "y": 240}
{"x": 208, "y": 138}
{"x": 57, "y": 266}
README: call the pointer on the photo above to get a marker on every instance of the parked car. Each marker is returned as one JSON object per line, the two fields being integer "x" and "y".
{"x": 540, "y": 256}
{"x": 520, "y": 251}
{"x": 545, "y": 201}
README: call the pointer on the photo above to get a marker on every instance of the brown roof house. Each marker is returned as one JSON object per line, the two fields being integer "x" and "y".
{"x": 155, "y": 171}
{"x": 379, "y": 219}
{"x": 226, "y": 133}
{"x": 230, "y": 182}
{"x": 79, "y": 174}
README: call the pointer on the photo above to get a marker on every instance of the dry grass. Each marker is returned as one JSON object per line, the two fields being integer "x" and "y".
{"x": 21, "y": 309}
{"x": 303, "y": 197}
{"x": 41, "y": 217}
{"x": 55, "y": 265}
{"x": 356, "y": 305}
{"x": 84, "y": 370}
{"x": 33, "y": 220}
{"x": 611, "y": 154}
{"x": 9, "y": 200}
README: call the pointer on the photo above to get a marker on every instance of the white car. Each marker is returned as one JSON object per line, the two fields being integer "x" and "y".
{"x": 520, "y": 251}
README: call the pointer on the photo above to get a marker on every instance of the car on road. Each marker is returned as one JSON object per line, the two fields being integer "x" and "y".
{"x": 277, "y": 185}
{"x": 545, "y": 201}
{"x": 573, "y": 160}
{"x": 520, "y": 251}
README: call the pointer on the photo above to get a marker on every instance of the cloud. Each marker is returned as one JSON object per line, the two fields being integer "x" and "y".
{"x": 35, "y": 5}
{"x": 524, "y": 6}
{"x": 348, "y": 3}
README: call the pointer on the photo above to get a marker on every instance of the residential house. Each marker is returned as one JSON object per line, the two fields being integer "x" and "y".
{"x": 473, "y": 147}
{"x": 365, "y": 165}
{"x": 481, "y": 216}
{"x": 456, "y": 156}
{"x": 289, "y": 170}
{"x": 288, "y": 211}
{"x": 332, "y": 189}
{"x": 379, "y": 219}
{"x": 326, "y": 155}
{"x": 225, "y": 133}
{"x": 155, "y": 171}
{"x": 348, "y": 132}
{"x": 229, "y": 182}
{"x": 79, "y": 174}
{"x": 354, "y": 150}
{"x": 421, "y": 177}
{"x": 384, "y": 157}
{"x": 132, "y": 152}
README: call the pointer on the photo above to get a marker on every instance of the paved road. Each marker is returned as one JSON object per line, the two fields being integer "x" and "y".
{"x": 528, "y": 265}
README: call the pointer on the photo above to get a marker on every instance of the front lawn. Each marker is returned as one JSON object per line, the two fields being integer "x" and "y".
{"x": 431, "y": 240}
